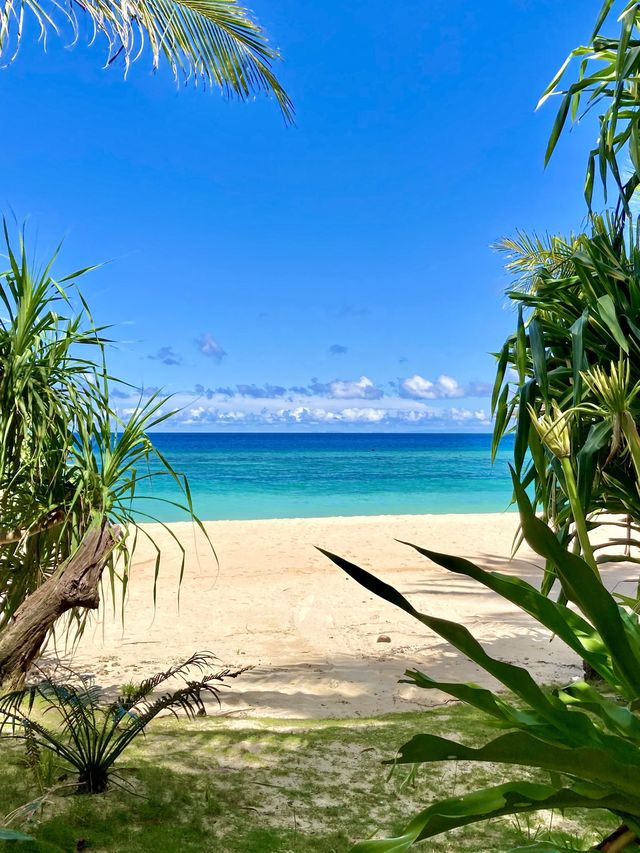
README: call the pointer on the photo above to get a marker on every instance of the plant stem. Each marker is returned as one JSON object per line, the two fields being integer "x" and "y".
{"x": 578, "y": 515}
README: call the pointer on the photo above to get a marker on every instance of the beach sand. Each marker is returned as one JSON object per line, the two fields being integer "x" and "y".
{"x": 309, "y": 632}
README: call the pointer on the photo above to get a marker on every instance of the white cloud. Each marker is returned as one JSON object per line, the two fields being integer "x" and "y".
{"x": 449, "y": 386}
{"x": 363, "y": 388}
{"x": 415, "y": 403}
{"x": 465, "y": 415}
{"x": 418, "y": 388}
{"x": 210, "y": 347}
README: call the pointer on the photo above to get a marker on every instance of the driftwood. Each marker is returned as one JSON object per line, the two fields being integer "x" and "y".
{"x": 75, "y": 584}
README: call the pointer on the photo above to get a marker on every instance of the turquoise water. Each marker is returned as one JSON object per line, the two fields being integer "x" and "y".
{"x": 258, "y": 475}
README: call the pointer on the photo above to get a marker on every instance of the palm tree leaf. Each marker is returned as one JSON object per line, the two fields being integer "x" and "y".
{"x": 216, "y": 42}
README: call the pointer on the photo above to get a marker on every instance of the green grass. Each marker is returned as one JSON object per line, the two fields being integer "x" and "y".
{"x": 240, "y": 786}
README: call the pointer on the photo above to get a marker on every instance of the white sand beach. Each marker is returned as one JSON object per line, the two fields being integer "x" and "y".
{"x": 309, "y": 632}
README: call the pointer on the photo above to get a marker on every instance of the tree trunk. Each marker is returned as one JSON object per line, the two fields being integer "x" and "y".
{"x": 76, "y": 584}
{"x": 622, "y": 838}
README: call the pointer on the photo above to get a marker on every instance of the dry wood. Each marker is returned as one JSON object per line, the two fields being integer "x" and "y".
{"x": 76, "y": 584}
{"x": 619, "y": 840}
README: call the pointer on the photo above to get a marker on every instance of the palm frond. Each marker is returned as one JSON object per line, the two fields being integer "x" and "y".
{"x": 215, "y": 42}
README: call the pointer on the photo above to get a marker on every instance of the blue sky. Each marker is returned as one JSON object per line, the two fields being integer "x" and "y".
{"x": 333, "y": 275}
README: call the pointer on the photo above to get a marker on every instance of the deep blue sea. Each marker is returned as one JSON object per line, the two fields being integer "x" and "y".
{"x": 276, "y": 475}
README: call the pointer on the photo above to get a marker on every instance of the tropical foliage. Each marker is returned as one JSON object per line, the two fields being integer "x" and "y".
{"x": 607, "y": 78}
{"x": 214, "y": 42}
{"x": 587, "y": 738}
{"x": 91, "y": 732}
{"x": 578, "y": 299}
{"x": 68, "y": 463}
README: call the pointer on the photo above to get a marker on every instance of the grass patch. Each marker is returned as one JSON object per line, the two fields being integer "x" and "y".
{"x": 256, "y": 786}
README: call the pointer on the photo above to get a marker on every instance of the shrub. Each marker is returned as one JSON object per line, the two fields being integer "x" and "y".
{"x": 587, "y": 738}
{"x": 94, "y": 732}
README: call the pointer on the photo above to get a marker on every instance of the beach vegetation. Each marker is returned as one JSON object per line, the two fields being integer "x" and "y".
{"x": 576, "y": 345}
{"x": 71, "y": 466}
{"x": 567, "y": 385}
{"x": 585, "y": 737}
{"x": 89, "y": 732}
{"x": 274, "y": 785}
{"x": 216, "y": 43}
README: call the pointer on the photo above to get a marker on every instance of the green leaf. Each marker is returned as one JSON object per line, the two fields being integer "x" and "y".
{"x": 558, "y": 125}
{"x": 539, "y": 357}
{"x": 503, "y": 360}
{"x": 515, "y": 678}
{"x": 510, "y": 798}
{"x": 501, "y": 420}
{"x": 598, "y": 437}
{"x": 598, "y": 766}
{"x": 577, "y": 355}
{"x": 215, "y": 43}
{"x": 604, "y": 11}
{"x": 569, "y": 626}
{"x": 609, "y": 318}
{"x": 583, "y": 588}
{"x": 526, "y": 397}
{"x": 616, "y": 717}
{"x": 521, "y": 348}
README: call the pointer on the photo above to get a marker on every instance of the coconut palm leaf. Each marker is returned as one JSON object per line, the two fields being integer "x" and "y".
{"x": 215, "y": 42}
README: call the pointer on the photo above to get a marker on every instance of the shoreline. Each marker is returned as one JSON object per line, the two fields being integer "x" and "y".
{"x": 321, "y": 518}
{"x": 310, "y": 633}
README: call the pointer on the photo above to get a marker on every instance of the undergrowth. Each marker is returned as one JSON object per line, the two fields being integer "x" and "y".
{"x": 257, "y": 786}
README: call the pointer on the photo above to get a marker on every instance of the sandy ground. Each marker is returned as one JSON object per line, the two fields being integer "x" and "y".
{"x": 309, "y": 632}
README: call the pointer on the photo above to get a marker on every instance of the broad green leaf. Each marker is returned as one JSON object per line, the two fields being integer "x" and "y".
{"x": 617, "y": 717}
{"x": 598, "y": 438}
{"x": 515, "y": 678}
{"x": 478, "y": 697}
{"x": 539, "y": 357}
{"x": 510, "y": 798}
{"x": 569, "y": 626}
{"x": 598, "y": 766}
{"x": 578, "y": 360}
{"x": 584, "y": 589}
{"x": 610, "y": 319}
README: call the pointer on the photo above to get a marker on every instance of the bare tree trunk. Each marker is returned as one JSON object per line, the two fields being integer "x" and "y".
{"x": 76, "y": 584}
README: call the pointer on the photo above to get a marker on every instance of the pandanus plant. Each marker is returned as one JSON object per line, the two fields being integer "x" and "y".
{"x": 71, "y": 467}
{"x": 577, "y": 304}
{"x": 586, "y": 737}
{"x": 578, "y": 297}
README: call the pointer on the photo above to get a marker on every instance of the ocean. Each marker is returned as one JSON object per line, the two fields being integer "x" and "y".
{"x": 278, "y": 475}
